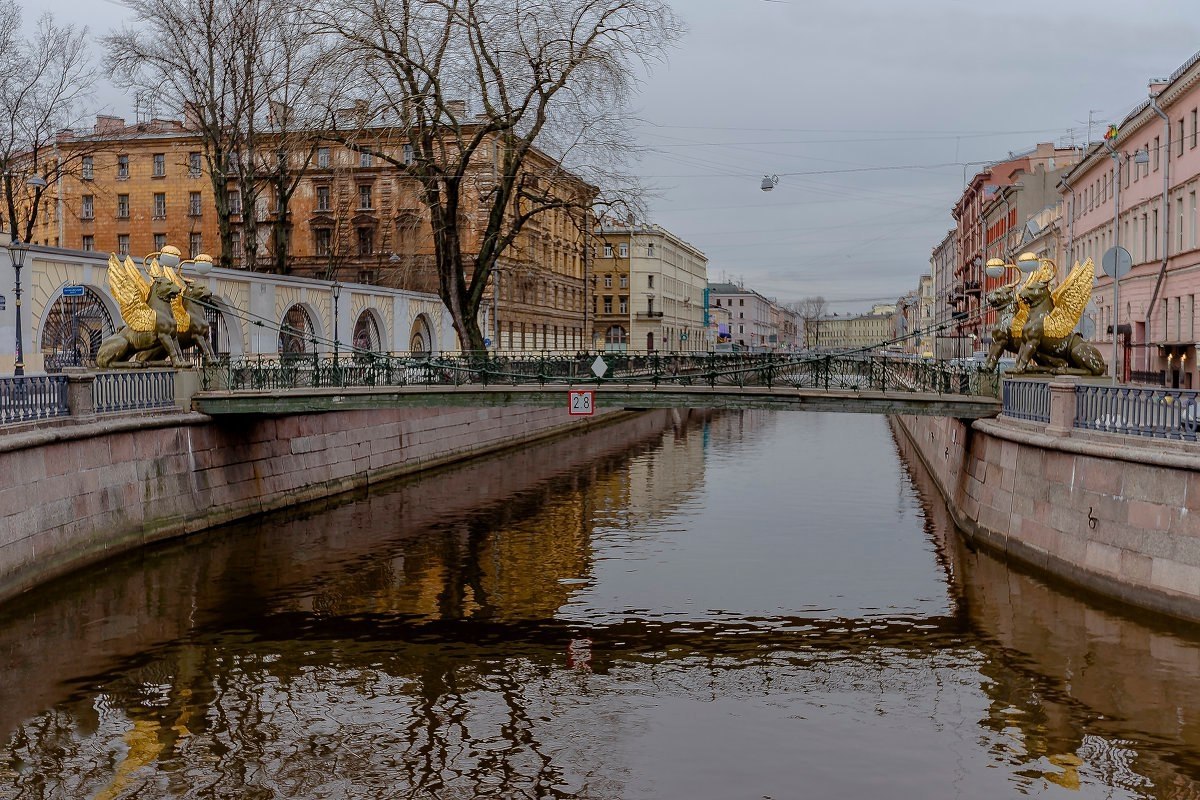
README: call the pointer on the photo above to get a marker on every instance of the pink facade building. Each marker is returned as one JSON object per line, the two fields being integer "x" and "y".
{"x": 1154, "y": 151}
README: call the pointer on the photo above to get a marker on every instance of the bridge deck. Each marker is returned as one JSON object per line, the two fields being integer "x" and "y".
{"x": 608, "y": 395}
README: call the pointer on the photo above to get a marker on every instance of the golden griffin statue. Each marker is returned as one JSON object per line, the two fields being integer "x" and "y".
{"x": 1037, "y": 322}
{"x": 162, "y": 316}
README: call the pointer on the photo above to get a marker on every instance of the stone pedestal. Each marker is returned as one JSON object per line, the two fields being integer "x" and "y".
{"x": 79, "y": 392}
{"x": 1062, "y": 405}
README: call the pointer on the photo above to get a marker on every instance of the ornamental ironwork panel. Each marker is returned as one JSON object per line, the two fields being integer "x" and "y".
{"x": 1028, "y": 400}
{"x": 1138, "y": 411}
{"x": 32, "y": 398}
{"x": 74, "y": 328}
{"x": 133, "y": 390}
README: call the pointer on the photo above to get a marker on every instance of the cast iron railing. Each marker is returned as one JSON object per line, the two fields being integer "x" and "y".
{"x": 1138, "y": 411}
{"x": 36, "y": 397}
{"x": 133, "y": 390}
{"x": 1028, "y": 400}
{"x": 655, "y": 369}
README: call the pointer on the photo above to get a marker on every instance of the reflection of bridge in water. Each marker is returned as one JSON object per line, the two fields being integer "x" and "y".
{"x": 856, "y": 383}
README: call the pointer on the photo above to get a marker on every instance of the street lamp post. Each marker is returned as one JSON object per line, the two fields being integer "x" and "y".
{"x": 336, "y": 291}
{"x": 18, "y": 250}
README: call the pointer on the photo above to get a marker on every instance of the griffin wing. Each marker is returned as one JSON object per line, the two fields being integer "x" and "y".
{"x": 131, "y": 290}
{"x": 1070, "y": 299}
{"x": 183, "y": 320}
{"x": 1045, "y": 272}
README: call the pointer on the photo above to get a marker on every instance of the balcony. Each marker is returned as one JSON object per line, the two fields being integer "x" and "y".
{"x": 649, "y": 314}
{"x": 972, "y": 287}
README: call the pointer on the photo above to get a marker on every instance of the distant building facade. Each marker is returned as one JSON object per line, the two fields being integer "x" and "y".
{"x": 647, "y": 290}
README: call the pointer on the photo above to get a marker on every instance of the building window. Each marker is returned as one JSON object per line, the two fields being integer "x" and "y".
{"x": 364, "y": 197}
{"x": 160, "y": 205}
{"x": 608, "y": 251}
{"x": 160, "y": 241}
{"x": 608, "y": 281}
{"x": 235, "y": 245}
{"x": 123, "y": 243}
{"x": 323, "y": 157}
{"x": 407, "y": 154}
{"x": 364, "y": 159}
{"x": 366, "y": 241}
{"x": 623, "y": 305}
{"x": 193, "y": 165}
{"x": 194, "y": 204}
{"x": 608, "y": 304}
{"x": 88, "y": 211}
{"x": 89, "y": 243}
{"x": 323, "y": 241}
{"x": 122, "y": 167}
{"x": 322, "y": 198}
{"x": 1179, "y": 146}
{"x": 1194, "y": 120}
{"x": 649, "y": 281}
{"x": 624, "y": 250}
{"x": 235, "y": 201}
{"x": 650, "y": 249}
{"x": 87, "y": 169}
{"x": 195, "y": 245}
{"x": 624, "y": 281}
{"x": 741, "y": 301}
{"x": 122, "y": 206}
{"x": 160, "y": 165}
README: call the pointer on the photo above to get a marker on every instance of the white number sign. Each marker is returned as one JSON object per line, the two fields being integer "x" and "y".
{"x": 581, "y": 403}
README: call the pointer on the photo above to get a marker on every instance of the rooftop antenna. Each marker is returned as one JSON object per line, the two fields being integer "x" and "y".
{"x": 145, "y": 105}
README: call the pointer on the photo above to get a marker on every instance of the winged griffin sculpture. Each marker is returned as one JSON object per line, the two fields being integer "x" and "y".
{"x": 1050, "y": 342}
{"x": 148, "y": 309}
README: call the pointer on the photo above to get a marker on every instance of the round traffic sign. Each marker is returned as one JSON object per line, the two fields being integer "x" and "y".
{"x": 1116, "y": 261}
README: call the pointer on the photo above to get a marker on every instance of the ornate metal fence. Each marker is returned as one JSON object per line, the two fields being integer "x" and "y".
{"x": 1138, "y": 411}
{"x": 37, "y": 397}
{"x": 133, "y": 390}
{"x": 856, "y": 373}
{"x": 1029, "y": 400}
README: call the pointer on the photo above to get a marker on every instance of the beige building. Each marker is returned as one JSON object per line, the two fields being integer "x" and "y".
{"x": 647, "y": 290}
{"x": 862, "y": 332}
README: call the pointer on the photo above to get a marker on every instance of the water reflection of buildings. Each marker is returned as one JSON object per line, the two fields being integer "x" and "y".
{"x": 426, "y": 605}
{"x": 1075, "y": 685}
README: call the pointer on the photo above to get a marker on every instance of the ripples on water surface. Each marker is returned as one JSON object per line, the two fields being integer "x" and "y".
{"x": 752, "y": 605}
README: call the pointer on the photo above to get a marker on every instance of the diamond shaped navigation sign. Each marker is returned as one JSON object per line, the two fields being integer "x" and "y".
{"x": 599, "y": 367}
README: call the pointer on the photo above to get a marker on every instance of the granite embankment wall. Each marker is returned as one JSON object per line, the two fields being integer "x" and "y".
{"x": 1119, "y": 516}
{"x": 75, "y": 494}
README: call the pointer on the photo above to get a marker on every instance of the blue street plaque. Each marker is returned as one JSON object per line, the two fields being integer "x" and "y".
{"x": 72, "y": 291}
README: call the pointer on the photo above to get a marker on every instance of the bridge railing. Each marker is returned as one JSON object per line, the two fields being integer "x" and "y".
{"x": 32, "y": 398}
{"x": 827, "y": 372}
{"x": 1156, "y": 413}
{"x": 1027, "y": 400}
{"x": 133, "y": 390}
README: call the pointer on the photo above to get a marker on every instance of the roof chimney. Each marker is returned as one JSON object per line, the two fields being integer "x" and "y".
{"x": 109, "y": 124}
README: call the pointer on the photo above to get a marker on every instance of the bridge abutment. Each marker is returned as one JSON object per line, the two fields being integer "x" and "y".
{"x": 1113, "y": 514}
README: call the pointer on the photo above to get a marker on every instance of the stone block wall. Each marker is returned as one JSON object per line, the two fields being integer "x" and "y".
{"x": 1118, "y": 517}
{"x": 75, "y": 494}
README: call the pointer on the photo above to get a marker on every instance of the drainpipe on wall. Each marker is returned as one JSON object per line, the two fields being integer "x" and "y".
{"x": 1165, "y": 215}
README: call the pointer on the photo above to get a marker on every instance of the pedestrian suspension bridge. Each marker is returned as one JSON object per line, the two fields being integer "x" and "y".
{"x": 807, "y": 382}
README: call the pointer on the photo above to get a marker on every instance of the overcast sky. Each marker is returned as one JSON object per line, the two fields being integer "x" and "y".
{"x": 907, "y": 92}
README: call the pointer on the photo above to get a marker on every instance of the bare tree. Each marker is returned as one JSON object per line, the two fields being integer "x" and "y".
{"x": 811, "y": 311}
{"x": 42, "y": 81}
{"x": 547, "y": 81}
{"x": 237, "y": 81}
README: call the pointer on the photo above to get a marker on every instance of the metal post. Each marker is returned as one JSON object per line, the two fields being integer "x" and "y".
{"x": 19, "y": 365}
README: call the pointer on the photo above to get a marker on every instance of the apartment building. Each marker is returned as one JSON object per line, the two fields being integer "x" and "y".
{"x": 353, "y": 216}
{"x": 647, "y": 290}
{"x": 1154, "y": 159}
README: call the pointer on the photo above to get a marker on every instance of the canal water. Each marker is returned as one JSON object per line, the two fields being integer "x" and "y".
{"x": 747, "y": 605}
